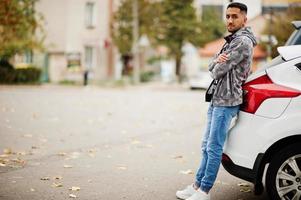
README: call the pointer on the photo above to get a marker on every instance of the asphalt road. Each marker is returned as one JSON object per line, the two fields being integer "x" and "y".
{"x": 134, "y": 143}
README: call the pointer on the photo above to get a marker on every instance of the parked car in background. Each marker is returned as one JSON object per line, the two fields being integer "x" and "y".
{"x": 201, "y": 80}
{"x": 266, "y": 138}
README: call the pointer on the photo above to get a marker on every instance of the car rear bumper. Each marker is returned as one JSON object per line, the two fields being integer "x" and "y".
{"x": 252, "y": 175}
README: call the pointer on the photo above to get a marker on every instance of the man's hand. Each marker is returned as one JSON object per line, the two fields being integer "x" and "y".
{"x": 222, "y": 58}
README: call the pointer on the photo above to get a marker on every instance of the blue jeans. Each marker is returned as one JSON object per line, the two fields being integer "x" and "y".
{"x": 218, "y": 123}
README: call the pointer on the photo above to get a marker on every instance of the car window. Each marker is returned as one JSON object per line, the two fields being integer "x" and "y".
{"x": 295, "y": 38}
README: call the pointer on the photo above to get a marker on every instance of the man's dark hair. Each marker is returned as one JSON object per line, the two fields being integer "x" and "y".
{"x": 241, "y": 6}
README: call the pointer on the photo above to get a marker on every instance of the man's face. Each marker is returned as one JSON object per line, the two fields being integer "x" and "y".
{"x": 236, "y": 19}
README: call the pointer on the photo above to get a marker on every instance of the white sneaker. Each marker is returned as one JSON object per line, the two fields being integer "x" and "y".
{"x": 199, "y": 195}
{"x": 186, "y": 193}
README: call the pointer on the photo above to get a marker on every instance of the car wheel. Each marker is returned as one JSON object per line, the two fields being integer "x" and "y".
{"x": 283, "y": 178}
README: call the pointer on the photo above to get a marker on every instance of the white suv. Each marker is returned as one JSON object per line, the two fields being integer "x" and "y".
{"x": 267, "y": 134}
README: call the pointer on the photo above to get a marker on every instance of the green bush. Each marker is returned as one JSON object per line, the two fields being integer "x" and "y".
{"x": 20, "y": 75}
{"x": 146, "y": 76}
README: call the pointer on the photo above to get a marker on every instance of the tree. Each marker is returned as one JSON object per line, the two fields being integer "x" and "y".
{"x": 148, "y": 13}
{"x": 179, "y": 24}
{"x": 212, "y": 26}
{"x": 166, "y": 22}
{"x": 281, "y": 26}
{"x": 18, "y": 25}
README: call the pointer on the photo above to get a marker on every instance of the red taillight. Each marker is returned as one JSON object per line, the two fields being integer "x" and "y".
{"x": 262, "y": 88}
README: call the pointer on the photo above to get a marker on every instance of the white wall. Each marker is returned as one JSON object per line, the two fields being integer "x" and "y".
{"x": 55, "y": 23}
{"x": 67, "y": 32}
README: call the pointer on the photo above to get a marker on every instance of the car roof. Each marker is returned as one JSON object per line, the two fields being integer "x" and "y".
{"x": 297, "y": 24}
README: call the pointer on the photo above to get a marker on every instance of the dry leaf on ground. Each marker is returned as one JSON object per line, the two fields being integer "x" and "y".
{"x": 7, "y": 151}
{"x": 57, "y": 185}
{"x": 121, "y": 167}
{"x": 45, "y": 178}
{"x": 58, "y": 178}
{"x": 74, "y": 188}
{"x": 2, "y": 165}
{"x": 243, "y": 185}
{"x": 27, "y": 135}
{"x": 62, "y": 154}
{"x": 135, "y": 142}
{"x": 72, "y": 195}
{"x": 186, "y": 172}
{"x": 177, "y": 157}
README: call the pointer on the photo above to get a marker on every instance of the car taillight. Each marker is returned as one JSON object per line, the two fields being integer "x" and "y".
{"x": 262, "y": 88}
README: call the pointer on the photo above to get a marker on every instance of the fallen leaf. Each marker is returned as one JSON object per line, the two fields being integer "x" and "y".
{"x": 22, "y": 153}
{"x": 7, "y": 151}
{"x": 57, "y": 185}
{"x": 245, "y": 190}
{"x": 75, "y": 155}
{"x": 74, "y": 188}
{"x": 18, "y": 160}
{"x": 94, "y": 150}
{"x": 72, "y": 196}
{"x": 68, "y": 166}
{"x": 243, "y": 185}
{"x": 121, "y": 167}
{"x": 186, "y": 172}
{"x": 2, "y": 165}
{"x": 62, "y": 154}
{"x": 135, "y": 142}
{"x": 177, "y": 157}
{"x": 45, "y": 178}
{"x": 4, "y": 156}
{"x": 58, "y": 178}
{"x": 27, "y": 135}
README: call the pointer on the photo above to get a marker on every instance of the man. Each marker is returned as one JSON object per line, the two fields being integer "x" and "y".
{"x": 230, "y": 68}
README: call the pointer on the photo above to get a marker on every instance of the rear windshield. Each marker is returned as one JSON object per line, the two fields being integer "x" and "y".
{"x": 295, "y": 38}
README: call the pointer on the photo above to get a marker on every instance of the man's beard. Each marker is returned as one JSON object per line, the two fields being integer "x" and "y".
{"x": 233, "y": 30}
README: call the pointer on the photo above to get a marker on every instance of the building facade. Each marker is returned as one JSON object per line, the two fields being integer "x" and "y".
{"x": 78, "y": 38}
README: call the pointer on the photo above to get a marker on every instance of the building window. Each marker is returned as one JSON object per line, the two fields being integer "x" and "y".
{"x": 73, "y": 59}
{"x": 88, "y": 57}
{"x": 28, "y": 57}
{"x": 90, "y": 15}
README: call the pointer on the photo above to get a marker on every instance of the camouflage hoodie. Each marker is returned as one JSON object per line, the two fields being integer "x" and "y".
{"x": 234, "y": 72}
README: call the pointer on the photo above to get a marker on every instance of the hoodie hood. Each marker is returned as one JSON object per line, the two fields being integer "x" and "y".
{"x": 245, "y": 31}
